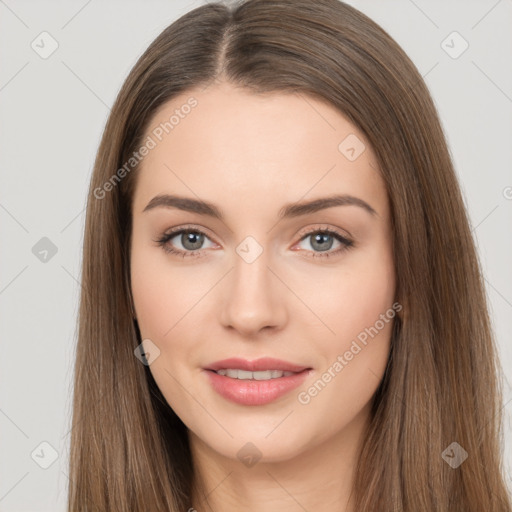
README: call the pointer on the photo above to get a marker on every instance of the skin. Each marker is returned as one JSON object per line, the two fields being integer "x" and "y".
{"x": 250, "y": 155}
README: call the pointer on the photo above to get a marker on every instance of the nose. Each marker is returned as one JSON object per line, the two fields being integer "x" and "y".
{"x": 253, "y": 297}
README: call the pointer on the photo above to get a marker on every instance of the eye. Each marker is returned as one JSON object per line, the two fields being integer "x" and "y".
{"x": 190, "y": 239}
{"x": 322, "y": 240}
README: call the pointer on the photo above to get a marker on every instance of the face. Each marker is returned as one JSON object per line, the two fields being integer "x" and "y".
{"x": 253, "y": 275}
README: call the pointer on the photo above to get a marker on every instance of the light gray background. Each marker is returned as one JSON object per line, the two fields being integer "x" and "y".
{"x": 53, "y": 113}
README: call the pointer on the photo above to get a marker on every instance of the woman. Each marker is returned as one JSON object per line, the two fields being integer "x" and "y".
{"x": 282, "y": 304}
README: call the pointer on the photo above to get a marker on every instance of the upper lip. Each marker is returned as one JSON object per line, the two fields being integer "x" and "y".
{"x": 264, "y": 363}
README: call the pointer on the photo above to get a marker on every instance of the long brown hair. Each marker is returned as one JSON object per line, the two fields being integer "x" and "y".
{"x": 129, "y": 451}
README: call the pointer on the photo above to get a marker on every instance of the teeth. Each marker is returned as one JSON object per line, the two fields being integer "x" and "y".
{"x": 246, "y": 375}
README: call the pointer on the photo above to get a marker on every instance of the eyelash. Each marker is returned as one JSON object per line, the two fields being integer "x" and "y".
{"x": 166, "y": 237}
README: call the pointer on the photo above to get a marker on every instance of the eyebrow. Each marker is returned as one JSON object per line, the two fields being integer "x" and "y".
{"x": 288, "y": 211}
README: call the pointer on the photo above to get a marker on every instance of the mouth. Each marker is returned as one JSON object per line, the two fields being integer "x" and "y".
{"x": 257, "y": 385}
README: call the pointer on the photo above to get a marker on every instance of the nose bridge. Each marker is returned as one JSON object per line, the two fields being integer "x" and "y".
{"x": 254, "y": 298}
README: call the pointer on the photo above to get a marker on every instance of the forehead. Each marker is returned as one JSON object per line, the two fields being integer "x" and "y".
{"x": 230, "y": 145}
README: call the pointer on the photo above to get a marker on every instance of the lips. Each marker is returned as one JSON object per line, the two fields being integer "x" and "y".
{"x": 262, "y": 364}
{"x": 254, "y": 391}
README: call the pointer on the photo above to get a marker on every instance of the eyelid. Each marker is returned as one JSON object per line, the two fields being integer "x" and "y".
{"x": 188, "y": 227}
{"x": 325, "y": 228}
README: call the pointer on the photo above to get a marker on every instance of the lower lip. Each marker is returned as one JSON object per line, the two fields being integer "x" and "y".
{"x": 255, "y": 392}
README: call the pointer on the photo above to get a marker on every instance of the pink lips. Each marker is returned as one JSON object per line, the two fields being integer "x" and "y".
{"x": 251, "y": 391}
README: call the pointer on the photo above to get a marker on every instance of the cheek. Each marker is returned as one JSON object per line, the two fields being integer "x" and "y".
{"x": 358, "y": 308}
{"x": 164, "y": 298}
{"x": 162, "y": 292}
{"x": 351, "y": 298}
{"x": 154, "y": 299}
